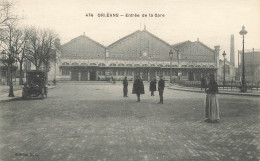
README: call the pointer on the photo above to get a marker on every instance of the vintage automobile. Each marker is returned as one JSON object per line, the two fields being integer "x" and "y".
{"x": 35, "y": 85}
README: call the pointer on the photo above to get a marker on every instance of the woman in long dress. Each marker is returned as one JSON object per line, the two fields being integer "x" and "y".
{"x": 212, "y": 104}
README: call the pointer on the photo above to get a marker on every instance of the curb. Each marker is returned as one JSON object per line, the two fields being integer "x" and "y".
{"x": 18, "y": 95}
{"x": 224, "y": 93}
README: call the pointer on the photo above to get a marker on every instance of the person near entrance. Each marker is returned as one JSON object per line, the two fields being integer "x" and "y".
{"x": 203, "y": 83}
{"x": 153, "y": 86}
{"x": 125, "y": 87}
{"x": 138, "y": 88}
{"x": 161, "y": 86}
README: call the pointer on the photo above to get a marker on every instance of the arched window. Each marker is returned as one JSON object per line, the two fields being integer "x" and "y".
{"x": 92, "y": 64}
{"x": 75, "y": 63}
{"x": 83, "y": 64}
{"x": 101, "y": 64}
{"x": 112, "y": 65}
{"x": 65, "y": 63}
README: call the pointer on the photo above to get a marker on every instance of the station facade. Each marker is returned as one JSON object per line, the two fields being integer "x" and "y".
{"x": 140, "y": 53}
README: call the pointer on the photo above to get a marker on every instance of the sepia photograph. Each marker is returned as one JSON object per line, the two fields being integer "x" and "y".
{"x": 129, "y": 80}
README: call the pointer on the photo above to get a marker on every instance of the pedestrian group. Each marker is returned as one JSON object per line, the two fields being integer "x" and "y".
{"x": 212, "y": 113}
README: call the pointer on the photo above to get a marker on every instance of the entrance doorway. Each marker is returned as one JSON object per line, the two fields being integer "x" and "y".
{"x": 152, "y": 74}
{"x": 145, "y": 75}
{"x": 74, "y": 75}
{"x": 92, "y": 75}
{"x": 190, "y": 76}
{"x": 84, "y": 75}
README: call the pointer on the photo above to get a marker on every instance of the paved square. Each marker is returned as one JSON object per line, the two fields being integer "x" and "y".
{"x": 95, "y": 122}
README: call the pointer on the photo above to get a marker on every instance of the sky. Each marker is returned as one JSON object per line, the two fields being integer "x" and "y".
{"x": 212, "y": 21}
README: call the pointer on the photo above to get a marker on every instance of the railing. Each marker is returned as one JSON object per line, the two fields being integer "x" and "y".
{"x": 238, "y": 84}
{"x": 228, "y": 84}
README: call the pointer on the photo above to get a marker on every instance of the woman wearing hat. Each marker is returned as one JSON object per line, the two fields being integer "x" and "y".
{"x": 212, "y": 105}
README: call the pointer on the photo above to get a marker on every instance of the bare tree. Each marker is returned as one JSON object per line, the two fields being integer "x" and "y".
{"x": 6, "y": 16}
{"x": 41, "y": 45}
{"x": 8, "y": 42}
{"x": 11, "y": 47}
{"x": 20, "y": 49}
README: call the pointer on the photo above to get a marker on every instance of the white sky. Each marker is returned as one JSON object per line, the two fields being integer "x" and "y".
{"x": 212, "y": 21}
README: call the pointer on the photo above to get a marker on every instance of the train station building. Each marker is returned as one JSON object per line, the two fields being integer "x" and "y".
{"x": 139, "y": 53}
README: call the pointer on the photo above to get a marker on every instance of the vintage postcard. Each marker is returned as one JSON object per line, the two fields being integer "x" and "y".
{"x": 129, "y": 80}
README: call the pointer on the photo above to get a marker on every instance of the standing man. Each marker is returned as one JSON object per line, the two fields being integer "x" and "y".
{"x": 125, "y": 87}
{"x": 153, "y": 86}
{"x": 161, "y": 85}
{"x": 138, "y": 88}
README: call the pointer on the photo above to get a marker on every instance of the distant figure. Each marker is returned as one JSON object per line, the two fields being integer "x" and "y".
{"x": 138, "y": 88}
{"x": 114, "y": 81}
{"x": 54, "y": 81}
{"x": 161, "y": 85}
{"x": 125, "y": 87}
{"x": 203, "y": 83}
{"x": 153, "y": 86}
{"x": 212, "y": 105}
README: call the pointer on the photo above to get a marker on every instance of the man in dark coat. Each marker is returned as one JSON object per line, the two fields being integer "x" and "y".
{"x": 161, "y": 85}
{"x": 153, "y": 86}
{"x": 125, "y": 87}
{"x": 138, "y": 88}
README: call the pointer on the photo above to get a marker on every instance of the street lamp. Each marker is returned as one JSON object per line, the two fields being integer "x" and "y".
{"x": 224, "y": 55}
{"x": 243, "y": 87}
{"x": 171, "y": 55}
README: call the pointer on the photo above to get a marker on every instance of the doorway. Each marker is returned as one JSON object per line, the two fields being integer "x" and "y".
{"x": 74, "y": 75}
{"x": 92, "y": 75}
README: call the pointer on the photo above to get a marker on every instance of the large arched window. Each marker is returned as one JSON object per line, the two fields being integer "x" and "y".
{"x": 101, "y": 64}
{"x": 65, "y": 63}
{"x": 75, "y": 64}
{"x": 83, "y": 64}
{"x": 92, "y": 64}
{"x": 112, "y": 65}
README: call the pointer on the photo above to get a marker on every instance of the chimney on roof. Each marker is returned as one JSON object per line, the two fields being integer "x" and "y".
{"x": 144, "y": 27}
{"x": 84, "y": 33}
{"x": 198, "y": 39}
{"x": 232, "y": 51}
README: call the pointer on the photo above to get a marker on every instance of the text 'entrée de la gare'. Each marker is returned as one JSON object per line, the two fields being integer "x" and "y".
{"x": 128, "y": 15}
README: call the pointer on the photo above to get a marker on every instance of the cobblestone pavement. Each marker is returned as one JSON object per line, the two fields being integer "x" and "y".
{"x": 86, "y": 122}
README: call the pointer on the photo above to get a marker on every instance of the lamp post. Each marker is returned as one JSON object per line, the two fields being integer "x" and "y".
{"x": 171, "y": 55}
{"x": 11, "y": 60}
{"x": 243, "y": 87}
{"x": 224, "y": 70}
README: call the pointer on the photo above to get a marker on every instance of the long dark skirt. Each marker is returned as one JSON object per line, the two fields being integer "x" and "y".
{"x": 212, "y": 107}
